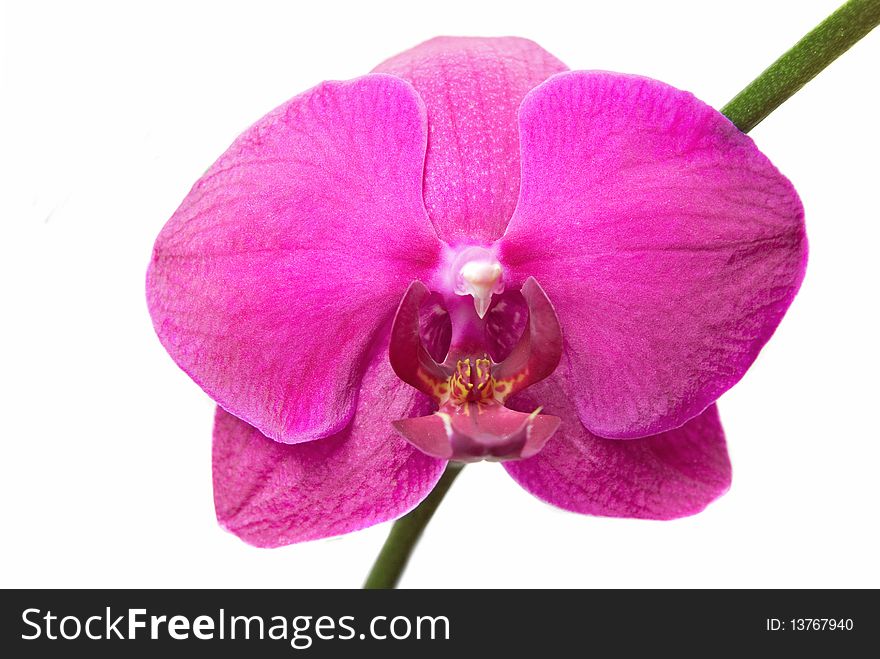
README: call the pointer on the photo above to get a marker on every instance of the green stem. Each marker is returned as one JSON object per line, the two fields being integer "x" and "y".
{"x": 395, "y": 553}
{"x": 824, "y": 44}
{"x": 828, "y": 41}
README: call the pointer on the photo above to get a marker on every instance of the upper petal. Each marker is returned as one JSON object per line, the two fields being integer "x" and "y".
{"x": 670, "y": 246}
{"x": 271, "y": 494}
{"x": 472, "y": 88}
{"x": 270, "y": 280}
{"x": 670, "y": 475}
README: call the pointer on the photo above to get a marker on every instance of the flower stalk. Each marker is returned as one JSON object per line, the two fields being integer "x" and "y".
{"x": 821, "y": 46}
{"x": 809, "y": 56}
{"x": 405, "y": 533}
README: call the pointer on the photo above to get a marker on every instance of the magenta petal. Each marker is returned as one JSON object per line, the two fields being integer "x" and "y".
{"x": 269, "y": 282}
{"x": 666, "y": 476}
{"x": 670, "y": 246}
{"x": 472, "y": 88}
{"x": 271, "y": 494}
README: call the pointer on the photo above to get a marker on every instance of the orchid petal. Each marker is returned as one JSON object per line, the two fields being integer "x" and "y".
{"x": 472, "y": 88}
{"x": 271, "y": 494}
{"x": 666, "y": 476}
{"x": 269, "y": 282}
{"x": 670, "y": 246}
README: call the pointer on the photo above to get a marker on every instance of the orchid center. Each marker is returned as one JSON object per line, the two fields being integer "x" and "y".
{"x": 468, "y": 385}
{"x": 472, "y": 381}
{"x": 476, "y": 272}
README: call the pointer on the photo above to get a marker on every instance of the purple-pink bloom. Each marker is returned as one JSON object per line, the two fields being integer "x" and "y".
{"x": 474, "y": 253}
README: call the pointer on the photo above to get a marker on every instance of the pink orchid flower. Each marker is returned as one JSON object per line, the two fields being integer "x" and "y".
{"x": 474, "y": 253}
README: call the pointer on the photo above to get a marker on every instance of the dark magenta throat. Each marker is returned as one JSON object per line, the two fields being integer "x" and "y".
{"x": 470, "y": 364}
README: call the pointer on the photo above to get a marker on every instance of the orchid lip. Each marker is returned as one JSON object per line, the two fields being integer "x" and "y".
{"x": 469, "y": 388}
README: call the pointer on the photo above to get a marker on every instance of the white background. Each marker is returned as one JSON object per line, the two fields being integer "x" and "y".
{"x": 111, "y": 111}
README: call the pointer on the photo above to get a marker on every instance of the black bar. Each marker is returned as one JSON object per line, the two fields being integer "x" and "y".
{"x": 703, "y": 623}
